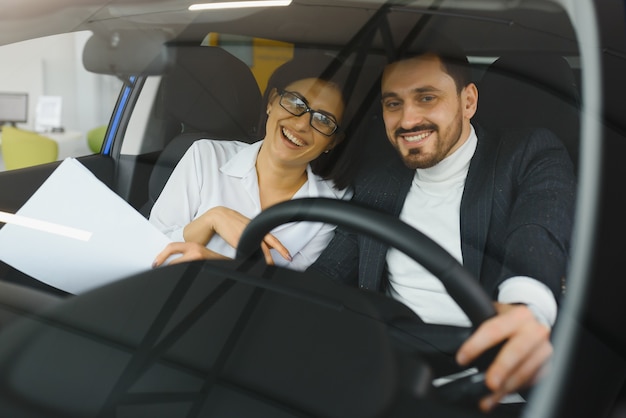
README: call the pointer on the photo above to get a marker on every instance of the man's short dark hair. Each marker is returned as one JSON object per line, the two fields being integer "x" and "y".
{"x": 452, "y": 56}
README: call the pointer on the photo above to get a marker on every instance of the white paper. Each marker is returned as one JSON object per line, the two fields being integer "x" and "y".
{"x": 122, "y": 241}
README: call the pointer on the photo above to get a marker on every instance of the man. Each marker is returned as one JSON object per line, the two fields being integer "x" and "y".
{"x": 501, "y": 204}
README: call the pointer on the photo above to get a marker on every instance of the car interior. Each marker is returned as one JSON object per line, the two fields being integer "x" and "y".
{"x": 546, "y": 91}
{"x": 208, "y": 81}
{"x": 160, "y": 362}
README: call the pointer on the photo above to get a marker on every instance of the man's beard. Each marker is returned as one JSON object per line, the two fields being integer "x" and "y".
{"x": 416, "y": 162}
{"x": 416, "y": 159}
{"x": 413, "y": 161}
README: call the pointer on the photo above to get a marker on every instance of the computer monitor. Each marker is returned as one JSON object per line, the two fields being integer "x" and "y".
{"x": 13, "y": 108}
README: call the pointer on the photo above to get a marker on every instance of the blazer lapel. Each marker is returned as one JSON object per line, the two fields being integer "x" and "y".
{"x": 477, "y": 202}
{"x": 390, "y": 197}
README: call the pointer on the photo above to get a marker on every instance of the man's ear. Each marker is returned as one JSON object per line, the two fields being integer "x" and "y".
{"x": 469, "y": 95}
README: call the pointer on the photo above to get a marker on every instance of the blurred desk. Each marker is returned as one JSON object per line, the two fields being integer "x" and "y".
{"x": 71, "y": 143}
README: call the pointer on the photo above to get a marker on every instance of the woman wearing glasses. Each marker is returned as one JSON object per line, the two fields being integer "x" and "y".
{"x": 218, "y": 186}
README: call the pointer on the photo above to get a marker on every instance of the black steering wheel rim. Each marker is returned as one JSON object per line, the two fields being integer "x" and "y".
{"x": 459, "y": 283}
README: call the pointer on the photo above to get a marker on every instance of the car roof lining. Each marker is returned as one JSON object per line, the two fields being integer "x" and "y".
{"x": 525, "y": 29}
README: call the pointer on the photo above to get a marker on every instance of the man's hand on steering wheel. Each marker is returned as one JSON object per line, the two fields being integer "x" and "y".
{"x": 522, "y": 359}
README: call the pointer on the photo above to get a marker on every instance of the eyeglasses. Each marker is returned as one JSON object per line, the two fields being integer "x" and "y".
{"x": 297, "y": 106}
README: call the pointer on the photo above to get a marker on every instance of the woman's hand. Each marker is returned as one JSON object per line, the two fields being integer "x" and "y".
{"x": 189, "y": 251}
{"x": 229, "y": 224}
{"x": 522, "y": 359}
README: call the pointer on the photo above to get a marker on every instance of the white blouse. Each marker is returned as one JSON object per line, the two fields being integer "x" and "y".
{"x": 222, "y": 173}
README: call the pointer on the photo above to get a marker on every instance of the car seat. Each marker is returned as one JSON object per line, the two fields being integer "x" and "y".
{"x": 211, "y": 94}
{"x": 531, "y": 90}
{"x": 22, "y": 148}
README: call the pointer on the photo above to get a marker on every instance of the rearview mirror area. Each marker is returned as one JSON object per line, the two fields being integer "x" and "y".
{"x": 126, "y": 52}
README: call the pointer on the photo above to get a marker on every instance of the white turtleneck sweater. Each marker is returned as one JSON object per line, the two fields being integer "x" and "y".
{"x": 432, "y": 206}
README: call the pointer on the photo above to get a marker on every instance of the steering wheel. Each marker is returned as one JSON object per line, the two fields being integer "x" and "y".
{"x": 458, "y": 282}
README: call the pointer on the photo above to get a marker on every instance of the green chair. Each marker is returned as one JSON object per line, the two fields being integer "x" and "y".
{"x": 95, "y": 137}
{"x": 21, "y": 148}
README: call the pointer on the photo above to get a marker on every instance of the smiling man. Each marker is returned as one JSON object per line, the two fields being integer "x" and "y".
{"x": 501, "y": 203}
{"x": 427, "y": 118}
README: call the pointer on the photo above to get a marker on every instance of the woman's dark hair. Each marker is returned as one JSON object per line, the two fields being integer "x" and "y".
{"x": 321, "y": 66}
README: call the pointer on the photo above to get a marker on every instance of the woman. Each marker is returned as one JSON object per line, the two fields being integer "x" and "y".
{"x": 218, "y": 186}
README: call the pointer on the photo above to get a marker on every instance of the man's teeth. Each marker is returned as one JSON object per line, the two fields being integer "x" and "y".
{"x": 416, "y": 138}
{"x": 292, "y": 138}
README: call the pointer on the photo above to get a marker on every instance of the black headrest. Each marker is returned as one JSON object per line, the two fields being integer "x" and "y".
{"x": 531, "y": 90}
{"x": 210, "y": 90}
{"x": 212, "y": 94}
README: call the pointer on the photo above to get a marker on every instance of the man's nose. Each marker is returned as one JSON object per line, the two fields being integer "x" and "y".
{"x": 412, "y": 115}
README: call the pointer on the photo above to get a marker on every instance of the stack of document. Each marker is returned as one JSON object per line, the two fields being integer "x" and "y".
{"x": 76, "y": 234}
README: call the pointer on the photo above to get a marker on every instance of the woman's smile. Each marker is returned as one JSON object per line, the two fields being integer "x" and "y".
{"x": 291, "y": 138}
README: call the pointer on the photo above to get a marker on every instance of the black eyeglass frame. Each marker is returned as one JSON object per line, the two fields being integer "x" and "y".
{"x": 308, "y": 110}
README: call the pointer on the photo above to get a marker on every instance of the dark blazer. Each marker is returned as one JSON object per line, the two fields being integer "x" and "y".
{"x": 517, "y": 214}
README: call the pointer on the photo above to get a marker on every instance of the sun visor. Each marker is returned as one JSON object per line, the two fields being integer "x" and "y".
{"x": 126, "y": 53}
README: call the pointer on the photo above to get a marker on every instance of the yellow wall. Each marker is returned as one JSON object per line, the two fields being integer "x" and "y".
{"x": 266, "y": 54}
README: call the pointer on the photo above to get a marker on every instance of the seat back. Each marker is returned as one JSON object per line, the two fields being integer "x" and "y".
{"x": 531, "y": 90}
{"x": 211, "y": 94}
{"x": 210, "y": 90}
{"x": 21, "y": 148}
